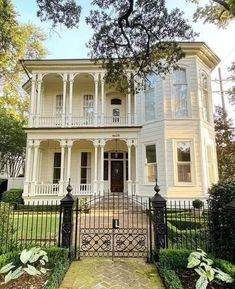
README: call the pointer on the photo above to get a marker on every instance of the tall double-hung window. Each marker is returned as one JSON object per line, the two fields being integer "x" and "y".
{"x": 57, "y": 168}
{"x": 205, "y": 94}
{"x": 180, "y": 93}
{"x": 150, "y": 98}
{"x": 88, "y": 105}
{"x": 150, "y": 163}
{"x": 59, "y": 104}
{"x": 85, "y": 168}
{"x": 184, "y": 162}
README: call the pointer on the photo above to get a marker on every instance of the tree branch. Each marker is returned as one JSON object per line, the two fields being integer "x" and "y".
{"x": 223, "y": 3}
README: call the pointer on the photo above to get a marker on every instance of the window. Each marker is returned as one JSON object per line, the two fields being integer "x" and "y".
{"x": 116, "y": 101}
{"x": 116, "y": 115}
{"x": 85, "y": 168}
{"x": 180, "y": 93}
{"x": 57, "y": 167}
{"x": 59, "y": 104}
{"x": 184, "y": 162}
{"x": 150, "y": 163}
{"x": 150, "y": 105}
{"x": 205, "y": 107}
{"x": 88, "y": 106}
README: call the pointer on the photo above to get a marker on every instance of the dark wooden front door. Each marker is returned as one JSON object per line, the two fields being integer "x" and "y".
{"x": 116, "y": 176}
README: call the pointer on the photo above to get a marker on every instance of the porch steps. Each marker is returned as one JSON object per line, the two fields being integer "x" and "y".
{"x": 117, "y": 201}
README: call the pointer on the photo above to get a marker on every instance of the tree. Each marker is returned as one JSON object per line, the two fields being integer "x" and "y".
{"x": 219, "y": 12}
{"x": 17, "y": 41}
{"x": 12, "y": 144}
{"x": 231, "y": 92}
{"x": 134, "y": 35}
{"x": 225, "y": 144}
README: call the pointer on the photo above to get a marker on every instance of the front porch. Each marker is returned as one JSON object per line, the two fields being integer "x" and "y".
{"x": 94, "y": 166}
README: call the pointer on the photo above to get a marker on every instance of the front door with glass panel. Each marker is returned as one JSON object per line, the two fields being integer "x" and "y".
{"x": 117, "y": 176}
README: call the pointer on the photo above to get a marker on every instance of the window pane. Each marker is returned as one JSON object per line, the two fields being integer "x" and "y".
{"x": 106, "y": 155}
{"x": 180, "y": 93}
{"x": 84, "y": 159}
{"x": 184, "y": 173}
{"x": 106, "y": 166}
{"x": 150, "y": 105}
{"x": 56, "y": 175}
{"x": 179, "y": 76}
{"x": 183, "y": 151}
{"x": 57, "y": 159}
{"x": 151, "y": 154}
{"x": 151, "y": 173}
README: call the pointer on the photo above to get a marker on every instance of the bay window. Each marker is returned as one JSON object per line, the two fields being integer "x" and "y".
{"x": 150, "y": 163}
{"x": 184, "y": 162}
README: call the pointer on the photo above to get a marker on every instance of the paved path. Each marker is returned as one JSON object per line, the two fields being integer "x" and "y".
{"x": 103, "y": 273}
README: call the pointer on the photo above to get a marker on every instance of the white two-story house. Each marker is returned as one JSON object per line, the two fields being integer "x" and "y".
{"x": 104, "y": 140}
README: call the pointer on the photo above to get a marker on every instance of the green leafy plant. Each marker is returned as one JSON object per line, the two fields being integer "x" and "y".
{"x": 203, "y": 266}
{"x": 197, "y": 204}
{"x": 13, "y": 196}
{"x": 84, "y": 207}
{"x": 32, "y": 262}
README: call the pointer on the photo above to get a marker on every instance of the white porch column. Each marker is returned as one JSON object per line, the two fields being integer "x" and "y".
{"x": 35, "y": 166}
{"x": 102, "y": 98}
{"x": 129, "y": 182}
{"x": 61, "y": 184}
{"x": 69, "y": 145}
{"x": 135, "y": 105}
{"x": 102, "y": 144}
{"x": 64, "y": 99}
{"x": 136, "y": 169}
{"x": 96, "y": 144}
{"x": 71, "y": 79}
{"x": 27, "y": 169}
{"x": 128, "y": 101}
{"x": 38, "y": 108}
{"x": 96, "y": 78}
{"x": 32, "y": 101}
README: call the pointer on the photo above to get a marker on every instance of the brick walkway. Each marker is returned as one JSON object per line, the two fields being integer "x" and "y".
{"x": 101, "y": 273}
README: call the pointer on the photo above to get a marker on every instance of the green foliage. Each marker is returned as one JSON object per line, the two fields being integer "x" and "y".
{"x": 13, "y": 196}
{"x": 6, "y": 226}
{"x": 32, "y": 262}
{"x": 173, "y": 258}
{"x": 221, "y": 227}
{"x": 203, "y": 266}
{"x": 171, "y": 280}
{"x": 197, "y": 204}
{"x": 217, "y": 12}
{"x": 12, "y": 144}
{"x": 225, "y": 144}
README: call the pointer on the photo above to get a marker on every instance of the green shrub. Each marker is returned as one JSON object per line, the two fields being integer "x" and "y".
{"x": 221, "y": 226}
{"x": 197, "y": 204}
{"x": 170, "y": 279}
{"x": 13, "y": 196}
{"x": 174, "y": 258}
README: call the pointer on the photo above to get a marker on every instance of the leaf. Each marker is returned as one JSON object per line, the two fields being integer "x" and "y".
{"x": 45, "y": 258}
{"x": 8, "y": 277}
{"x": 31, "y": 270}
{"x": 201, "y": 272}
{"x": 42, "y": 262}
{"x": 223, "y": 276}
{"x": 25, "y": 256}
{"x": 17, "y": 273}
{"x": 201, "y": 283}
{"x": 193, "y": 262}
{"x": 208, "y": 261}
{"x": 43, "y": 270}
{"x": 6, "y": 268}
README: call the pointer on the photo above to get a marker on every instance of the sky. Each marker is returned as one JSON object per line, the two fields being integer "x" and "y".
{"x": 70, "y": 43}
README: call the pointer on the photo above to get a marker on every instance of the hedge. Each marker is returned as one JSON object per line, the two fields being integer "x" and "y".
{"x": 13, "y": 196}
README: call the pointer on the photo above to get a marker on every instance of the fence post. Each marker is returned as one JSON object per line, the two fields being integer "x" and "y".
{"x": 67, "y": 222}
{"x": 159, "y": 222}
{"x": 231, "y": 213}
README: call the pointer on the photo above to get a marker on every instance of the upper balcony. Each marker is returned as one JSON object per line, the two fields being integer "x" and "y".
{"x": 78, "y": 99}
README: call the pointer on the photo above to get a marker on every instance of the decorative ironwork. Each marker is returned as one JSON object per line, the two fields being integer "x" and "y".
{"x": 117, "y": 225}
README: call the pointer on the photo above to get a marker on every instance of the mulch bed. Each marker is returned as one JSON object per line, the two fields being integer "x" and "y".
{"x": 189, "y": 277}
{"x": 25, "y": 282}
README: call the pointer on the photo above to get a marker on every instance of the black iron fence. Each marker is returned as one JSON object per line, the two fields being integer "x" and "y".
{"x": 188, "y": 227}
{"x": 25, "y": 225}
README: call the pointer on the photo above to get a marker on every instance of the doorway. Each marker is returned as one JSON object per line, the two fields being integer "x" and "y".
{"x": 117, "y": 184}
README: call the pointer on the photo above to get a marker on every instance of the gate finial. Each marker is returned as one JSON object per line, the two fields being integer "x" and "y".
{"x": 69, "y": 187}
{"x": 156, "y": 188}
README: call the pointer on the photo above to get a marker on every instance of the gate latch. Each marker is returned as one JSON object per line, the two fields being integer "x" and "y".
{"x": 115, "y": 223}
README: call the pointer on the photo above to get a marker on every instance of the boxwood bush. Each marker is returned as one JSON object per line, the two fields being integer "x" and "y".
{"x": 221, "y": 224}
{"x": 13, "y": 196}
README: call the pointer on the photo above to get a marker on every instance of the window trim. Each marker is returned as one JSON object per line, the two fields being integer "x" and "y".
{"x": 208, "y": 110}
{"x": 80, "y": 151}
{"x": 185, "y": 67}
{"x": 144, "y": 162}
{"x": 192, "y": 162}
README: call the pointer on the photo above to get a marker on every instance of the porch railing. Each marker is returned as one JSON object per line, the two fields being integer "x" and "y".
{"x": 47, "y": 189}
{"x": 81, "y": 189}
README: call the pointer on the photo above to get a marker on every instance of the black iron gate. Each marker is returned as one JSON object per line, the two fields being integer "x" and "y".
{"x": 112, "y": 225}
